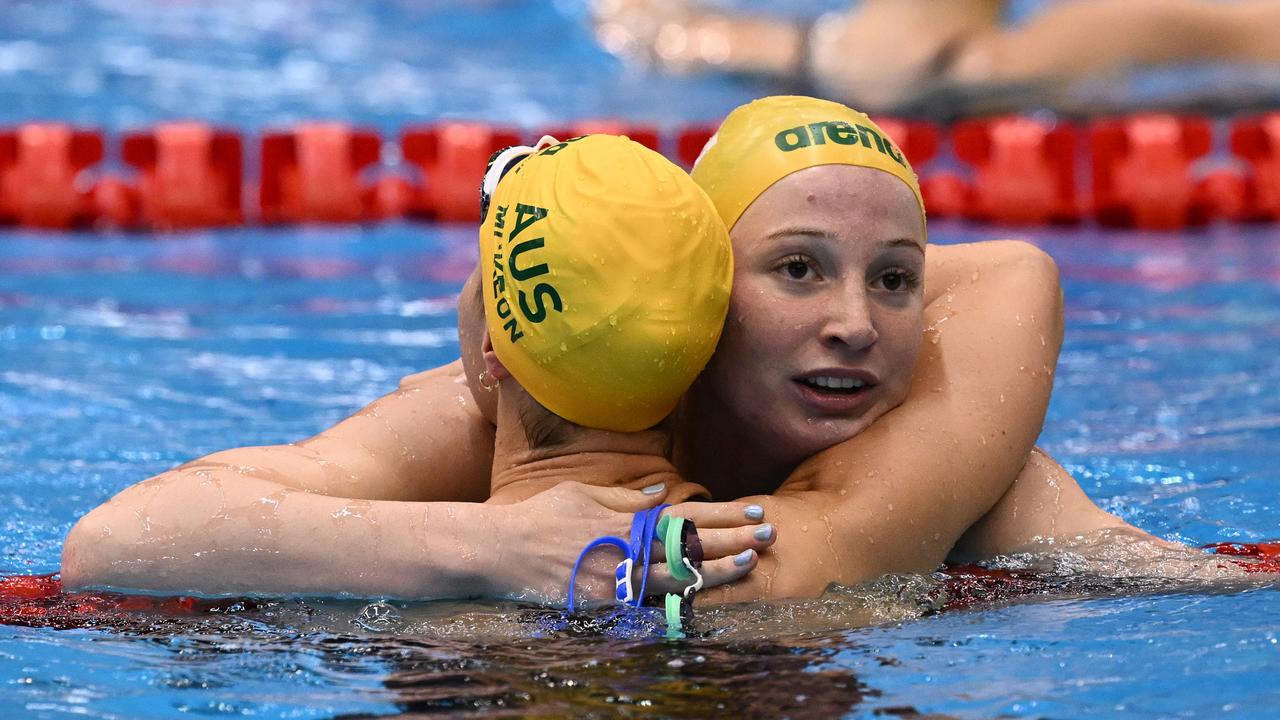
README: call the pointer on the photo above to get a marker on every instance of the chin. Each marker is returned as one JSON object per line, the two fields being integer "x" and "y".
{"x": 808, "y": 437}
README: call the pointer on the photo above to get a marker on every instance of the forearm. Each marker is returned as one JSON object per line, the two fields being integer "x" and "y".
{"x": 221, "y": 533}
{"x": 1044, "y": 507}
{"x": 811, "y": 551}
{"x": 1091, "y": 36}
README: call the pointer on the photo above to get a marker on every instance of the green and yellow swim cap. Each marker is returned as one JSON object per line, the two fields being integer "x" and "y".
{"x": 766, "y": 140}
{"x": 606, "y": 275}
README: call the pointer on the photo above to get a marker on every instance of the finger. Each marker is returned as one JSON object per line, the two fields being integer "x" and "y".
{"x": 620, "y": 499}
{"x": 714, "y": 573}
{"x": 718, "y": 543}
{"x": 719, "y": 515}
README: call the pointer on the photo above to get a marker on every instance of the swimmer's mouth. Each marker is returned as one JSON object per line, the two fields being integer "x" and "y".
{"x": 835, "y": 385}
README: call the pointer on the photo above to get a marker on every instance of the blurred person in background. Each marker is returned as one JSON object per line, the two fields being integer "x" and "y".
{"x": 937, "y": 55}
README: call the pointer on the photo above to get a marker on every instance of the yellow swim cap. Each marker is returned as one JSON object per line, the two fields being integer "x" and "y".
{"x": 768, "y": 139}
{"x": 606, "y": 276}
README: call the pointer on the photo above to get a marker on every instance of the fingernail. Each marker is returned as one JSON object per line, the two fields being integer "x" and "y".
{"x": 743, "y": 557}
{"x": 764, "y": 532}
{"x": 653, "y": 489}
{"x": 753, "y": 512}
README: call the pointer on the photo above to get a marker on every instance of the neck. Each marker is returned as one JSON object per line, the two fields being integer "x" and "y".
{"x": 633, "y": 460}
{"x": 715, "y": 451}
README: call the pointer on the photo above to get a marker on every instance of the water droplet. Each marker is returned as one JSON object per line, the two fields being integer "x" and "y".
{"x": 378, "y": 617}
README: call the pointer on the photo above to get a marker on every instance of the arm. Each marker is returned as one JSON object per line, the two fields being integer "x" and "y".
{"x": 898, "y": 496}
{"x": 190, "y": 531}
{"x": 1045, "y": 505}
{"x": 879, "y": 53}
{"x": 263, "y": 539}
{"x": 1045, "y": 511}
{"x": 426, "y": 441}
{"x": 1096, "y": 36}
{"x": 266, "y": 540}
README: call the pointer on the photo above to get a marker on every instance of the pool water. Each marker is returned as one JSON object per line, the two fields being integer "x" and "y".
{"x": 122, "y": 355}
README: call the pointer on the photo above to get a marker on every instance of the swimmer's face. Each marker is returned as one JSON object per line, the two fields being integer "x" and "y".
{"x": 826, "y": 317}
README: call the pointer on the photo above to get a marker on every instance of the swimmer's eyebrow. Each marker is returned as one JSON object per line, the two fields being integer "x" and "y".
{"x": 903, "y": 242}
{"x": 823, "y": 235}
{"x": 801, "y": 231}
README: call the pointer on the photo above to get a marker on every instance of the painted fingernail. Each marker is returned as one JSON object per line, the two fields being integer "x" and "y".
{"x": 753, "y": 512}
{"x": 764, "y": 532}
{"x": 653, "y": 489}
{"x": 743, "y": 557}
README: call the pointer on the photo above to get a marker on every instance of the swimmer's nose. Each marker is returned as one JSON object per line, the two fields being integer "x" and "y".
{"x": 848, "y": 324}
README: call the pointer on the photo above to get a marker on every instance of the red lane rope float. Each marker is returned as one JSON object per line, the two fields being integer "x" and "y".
{"x": 39, "y": 166}
{"x": 1264, "y": 557}
{"x": 452, "y": 158}
{"x": 1025, "y": 170}
{"x": 312, "y": 174}
{"x": 1148, "y": 171}
{"x": 689, "y": 144}
{"x": 1142, "y": 170}
{"x": 190, "y": 175}
{"x": 1257, "y": 140}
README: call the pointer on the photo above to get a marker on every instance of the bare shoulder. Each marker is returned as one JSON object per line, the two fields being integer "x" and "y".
{"x": 426, "y": 440}
{"x": 451, "y": 373}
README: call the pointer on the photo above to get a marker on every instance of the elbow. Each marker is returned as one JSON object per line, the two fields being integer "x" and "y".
{"x": 1029, "y": 260}
{"x": 85, "y": 552}
{"x": 1038, "y": 281}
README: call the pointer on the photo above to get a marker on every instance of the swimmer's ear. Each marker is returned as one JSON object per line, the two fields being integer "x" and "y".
{"x": 492, "y": 364}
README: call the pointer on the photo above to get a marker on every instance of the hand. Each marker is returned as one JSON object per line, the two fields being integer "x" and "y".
{"x": 544, "y": 535}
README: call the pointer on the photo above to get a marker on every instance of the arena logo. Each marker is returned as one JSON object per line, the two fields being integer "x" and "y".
{"x": 521, "y": 271}
{"x": 838, "y": 132}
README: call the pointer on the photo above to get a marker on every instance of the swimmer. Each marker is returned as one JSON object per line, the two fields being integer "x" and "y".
{"x": 579, "y": 216}
{"x": 604, "y": 278}
{"x": 891, "y": 54}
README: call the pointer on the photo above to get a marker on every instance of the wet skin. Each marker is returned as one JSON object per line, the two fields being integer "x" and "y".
{"x": 828, "y": 290}
{"x": 895, "y": 497}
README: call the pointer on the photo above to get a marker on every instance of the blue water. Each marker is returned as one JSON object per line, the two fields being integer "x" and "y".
{"x": 123, "y": 355}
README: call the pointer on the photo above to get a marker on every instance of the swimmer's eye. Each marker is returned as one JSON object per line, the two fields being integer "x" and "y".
{"x": 797, "y": 267}
{"x": 899, "y": 280}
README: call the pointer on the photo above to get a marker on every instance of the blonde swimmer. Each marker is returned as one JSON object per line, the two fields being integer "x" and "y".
{"x": 941, "y": 56}
{"x": 832, "y": 333}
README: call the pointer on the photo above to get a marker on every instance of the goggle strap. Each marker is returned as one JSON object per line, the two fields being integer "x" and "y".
{"x": 598, "y": 542}
{"x": 504, "y": 161}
